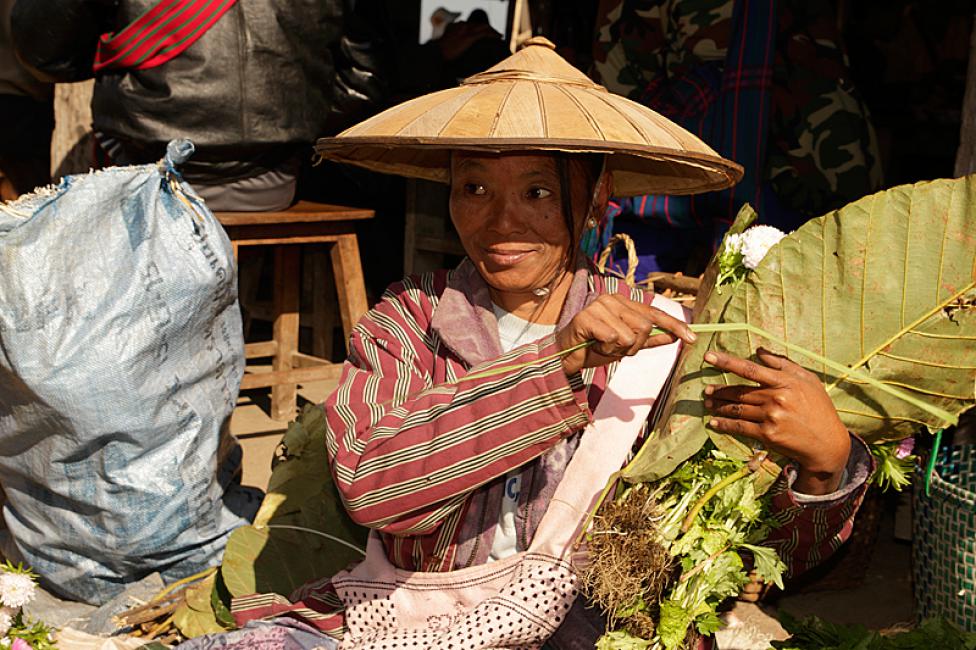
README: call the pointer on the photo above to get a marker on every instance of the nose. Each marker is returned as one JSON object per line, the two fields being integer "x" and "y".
{"x": 505, "y": 215}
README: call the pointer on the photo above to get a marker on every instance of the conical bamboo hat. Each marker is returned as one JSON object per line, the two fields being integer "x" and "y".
{"x": 534, "y": 100}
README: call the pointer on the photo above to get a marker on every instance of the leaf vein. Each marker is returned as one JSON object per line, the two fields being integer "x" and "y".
{"x": 924, "y": 362}
{"x": 899, "y": 333}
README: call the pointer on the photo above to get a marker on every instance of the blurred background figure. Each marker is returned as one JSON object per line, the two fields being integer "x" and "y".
{"x": 440, "y": 19}
{"x": 257, "y": 85}
{"x": 27, "y": 119}
{"x": 766, "y": 83}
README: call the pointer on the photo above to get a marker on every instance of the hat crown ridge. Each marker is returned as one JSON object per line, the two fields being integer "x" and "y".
{"x": 536, "y": 61}
{"x": 538, "y": 40}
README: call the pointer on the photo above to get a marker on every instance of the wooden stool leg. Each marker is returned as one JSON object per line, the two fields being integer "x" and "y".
{"x": 323, "y": 304}
{"x": 286, "y": 286}
{"x": 349, "y": 282}
{"x": 248, "y": 281}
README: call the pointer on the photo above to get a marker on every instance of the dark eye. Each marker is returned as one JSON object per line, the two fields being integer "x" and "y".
{"x": 475, "y": 189}
{"x": 538, "y": 193}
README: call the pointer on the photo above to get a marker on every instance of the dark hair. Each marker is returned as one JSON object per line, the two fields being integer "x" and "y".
{"x": 591, "y": 165}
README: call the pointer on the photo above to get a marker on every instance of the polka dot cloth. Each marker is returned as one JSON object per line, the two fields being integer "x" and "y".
{"x": 531, "y": 598}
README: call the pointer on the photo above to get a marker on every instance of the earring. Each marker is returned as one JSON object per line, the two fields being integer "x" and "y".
{"x": 591, "y": 223}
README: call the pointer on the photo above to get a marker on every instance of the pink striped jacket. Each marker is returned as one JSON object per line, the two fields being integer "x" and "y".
{"x": 423, "y": 461}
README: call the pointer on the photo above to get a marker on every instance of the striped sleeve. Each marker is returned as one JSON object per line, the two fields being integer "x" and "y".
{"x": 811, "y": 529}
{"x": 405, "y": 453}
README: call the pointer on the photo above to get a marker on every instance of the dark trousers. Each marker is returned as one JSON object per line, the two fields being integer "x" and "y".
{"x": 26, "y": 126}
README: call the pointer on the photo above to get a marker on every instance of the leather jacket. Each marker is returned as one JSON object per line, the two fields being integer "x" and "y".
{"x": 260, "y": 86}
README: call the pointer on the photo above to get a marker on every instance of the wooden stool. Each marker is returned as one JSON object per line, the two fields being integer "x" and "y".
{"x": 303, "y": 223}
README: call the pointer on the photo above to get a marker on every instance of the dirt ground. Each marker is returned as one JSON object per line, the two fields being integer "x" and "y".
{"x": 883, "y": 599}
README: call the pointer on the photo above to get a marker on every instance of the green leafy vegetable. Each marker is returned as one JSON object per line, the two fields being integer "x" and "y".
{"x": 879, "y": 295}
{"x": 767, "y": 564}
{"x": 673, "y": 624}
{"x": 895, "y": 468}
{"x": 302, "y": 531}
{"x": 36, "y": 633}
{"x": 621, "y": 640}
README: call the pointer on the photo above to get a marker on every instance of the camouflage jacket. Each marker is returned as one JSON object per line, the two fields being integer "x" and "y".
{"x": 821, "y": 151}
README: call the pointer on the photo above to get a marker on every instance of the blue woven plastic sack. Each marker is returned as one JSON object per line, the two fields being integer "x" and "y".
{"x": 121, "y": 355}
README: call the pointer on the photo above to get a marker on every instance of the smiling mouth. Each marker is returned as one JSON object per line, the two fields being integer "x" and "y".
{"x": 504, "y": 256}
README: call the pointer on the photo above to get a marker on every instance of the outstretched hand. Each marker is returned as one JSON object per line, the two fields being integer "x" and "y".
{"x": 618, "y": 327}
{"x": 789, "y": 412}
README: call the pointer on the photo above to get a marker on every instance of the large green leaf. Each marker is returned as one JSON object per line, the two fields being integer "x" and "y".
{"x": 885, "y": 285}
{"x": 195, "y": 615}
{"x": 302, "y": 531}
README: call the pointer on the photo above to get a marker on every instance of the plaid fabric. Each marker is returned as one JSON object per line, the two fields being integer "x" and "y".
{"x": 726, "y": 104}
{"x": 679, "y": 57}
{"x": 414, "y": 459}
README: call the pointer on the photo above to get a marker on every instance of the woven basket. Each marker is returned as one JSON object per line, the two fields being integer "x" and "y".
{"x": 944, "y": 548}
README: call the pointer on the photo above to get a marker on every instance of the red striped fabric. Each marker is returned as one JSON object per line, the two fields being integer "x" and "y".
{"x": 158, "y": 35}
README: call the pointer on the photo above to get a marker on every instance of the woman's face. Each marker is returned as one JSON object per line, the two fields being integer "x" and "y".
{"x": 508, "y": 212}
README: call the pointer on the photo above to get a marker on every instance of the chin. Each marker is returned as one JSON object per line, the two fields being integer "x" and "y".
{"x": 509, "y": 280}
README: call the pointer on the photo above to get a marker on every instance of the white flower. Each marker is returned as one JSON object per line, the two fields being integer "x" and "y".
{"x": 756, "y": 242}
{"x": 733, "y": 243}
{"x": 16, "y": 589}
{"x": 6, "y": 619}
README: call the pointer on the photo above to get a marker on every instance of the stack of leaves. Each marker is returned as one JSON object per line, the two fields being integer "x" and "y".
{"x": 877, "y": 298}
{"x": 300, "y": 533}
{"x": 816, "y": 634}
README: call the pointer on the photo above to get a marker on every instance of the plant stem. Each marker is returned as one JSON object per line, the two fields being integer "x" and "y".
{"x": 752, "y": 466}
{"x": 179, "y": 583}
{"x": 712, "y": 328}
{"x": 331, "y": 538}
{"x": 933, "y": 458}
{"x": 701, "y": 567}
{"x": 611, "y": 483}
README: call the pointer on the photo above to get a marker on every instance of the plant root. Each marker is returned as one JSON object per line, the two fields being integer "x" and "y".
{"x": 634, "y": 568}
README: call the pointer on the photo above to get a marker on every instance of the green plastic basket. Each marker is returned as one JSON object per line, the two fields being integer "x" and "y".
{"x": 944, "y": 542}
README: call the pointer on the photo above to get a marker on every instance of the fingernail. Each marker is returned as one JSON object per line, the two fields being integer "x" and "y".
{"x": 709, "y": 389}
{"x": 708, "y": 404}
{"x": 711, "y": 357}
{"x": 692, "y": 336}
{"x": 713, "y": 423}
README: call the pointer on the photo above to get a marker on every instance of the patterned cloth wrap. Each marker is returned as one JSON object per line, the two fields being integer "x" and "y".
{"x": 764, "y": 82}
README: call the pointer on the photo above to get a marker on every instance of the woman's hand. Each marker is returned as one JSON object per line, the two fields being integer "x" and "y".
{"x": 620, "y": 327}
{"x": 789, "y": 413}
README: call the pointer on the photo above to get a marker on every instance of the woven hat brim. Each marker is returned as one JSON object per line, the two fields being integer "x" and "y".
{"x": 635, "y": 169}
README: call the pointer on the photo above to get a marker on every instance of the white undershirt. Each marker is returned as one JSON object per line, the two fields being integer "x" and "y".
{"x": 512, "y": 332}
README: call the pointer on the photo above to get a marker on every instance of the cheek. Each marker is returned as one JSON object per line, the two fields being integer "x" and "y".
{"x": 550, "y": 227}
{"x": 464, "y": 214}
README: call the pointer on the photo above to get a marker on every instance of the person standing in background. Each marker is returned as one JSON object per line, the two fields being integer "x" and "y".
{"x": 27, "y": 116}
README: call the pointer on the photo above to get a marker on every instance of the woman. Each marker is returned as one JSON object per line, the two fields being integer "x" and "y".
{"x": 456, "y": 474}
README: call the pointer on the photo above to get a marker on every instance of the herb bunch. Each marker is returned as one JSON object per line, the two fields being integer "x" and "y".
{"x": 706, "y": 550}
